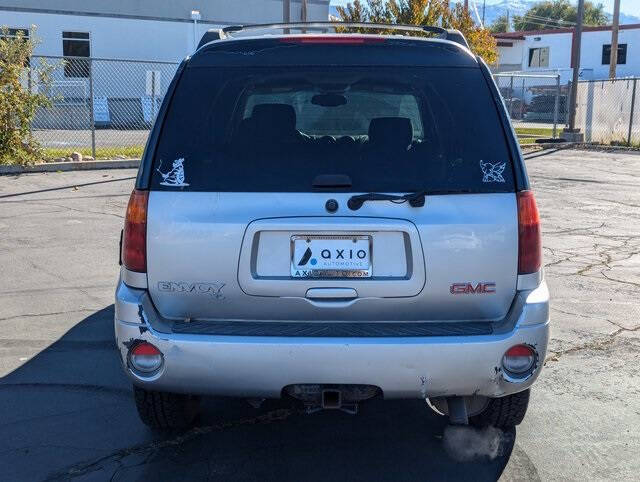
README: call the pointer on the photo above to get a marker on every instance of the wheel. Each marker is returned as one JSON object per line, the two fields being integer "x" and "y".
{"x": 503, "y": 412}
{"x": 165, "y": 410}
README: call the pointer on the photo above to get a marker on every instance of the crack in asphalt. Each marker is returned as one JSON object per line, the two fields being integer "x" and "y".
{"x": 599, "y": 344}
{"x": 32, "y": 315}
{"x": 154, "y": 446}
{"x": 85, "y": 211}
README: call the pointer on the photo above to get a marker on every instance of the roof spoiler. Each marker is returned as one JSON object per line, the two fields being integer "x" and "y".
{"x": 445, "y": 34}
{"x": 210, "y": 36}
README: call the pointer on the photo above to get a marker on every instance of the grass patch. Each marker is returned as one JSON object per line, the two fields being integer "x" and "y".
{"x": 127, "y": 152}
{"x": 535, "y": 131}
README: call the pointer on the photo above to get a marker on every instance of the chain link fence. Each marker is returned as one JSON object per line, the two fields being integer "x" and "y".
{"x": 102, "y": 108}
{"x": 608, "y": 111}
{"x": 537, "y": 104}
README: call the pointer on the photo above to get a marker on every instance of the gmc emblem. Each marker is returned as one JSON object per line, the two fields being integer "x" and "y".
{"x": 469, "y": 289}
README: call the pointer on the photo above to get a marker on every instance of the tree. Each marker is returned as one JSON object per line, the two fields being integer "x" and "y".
{"x": 18, "y": 104}
{"x": 499, "y": 25}
{"x": 558, "y": 13}
{"x": 422, "y": 12}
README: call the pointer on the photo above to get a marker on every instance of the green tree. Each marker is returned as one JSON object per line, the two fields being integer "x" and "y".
{"x": 422, "y": 12}
{"x": 557, "y": 13}
{"x": 499, "y": 25}
{"x": 18, "y": 103}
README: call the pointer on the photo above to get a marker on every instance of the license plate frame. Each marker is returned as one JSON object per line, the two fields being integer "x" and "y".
{"x": 349, "y": 266}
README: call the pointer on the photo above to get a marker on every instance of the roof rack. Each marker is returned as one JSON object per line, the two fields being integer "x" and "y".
{"x": 446, "y": 34}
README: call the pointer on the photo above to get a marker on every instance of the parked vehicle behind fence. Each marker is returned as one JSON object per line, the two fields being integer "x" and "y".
{"x": 332, "y": 218}
{"x": 543, "y": 109}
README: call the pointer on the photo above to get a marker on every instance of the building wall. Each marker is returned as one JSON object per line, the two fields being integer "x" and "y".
{"x": 165, "y": 32}
{"x": 560, "y": 54}
{"x": 591, "y": 53}
{"x": 212, "y": 11}
{"x": 142, "y": 30}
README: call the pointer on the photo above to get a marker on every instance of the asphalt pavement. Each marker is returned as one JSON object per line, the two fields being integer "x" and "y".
{"x": 67, "y": 410}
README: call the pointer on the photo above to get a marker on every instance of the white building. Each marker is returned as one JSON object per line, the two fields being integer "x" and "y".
{"x": 549, "y": 51}
{"x": 140, "y": 29}
{"x": 159, "y": 32}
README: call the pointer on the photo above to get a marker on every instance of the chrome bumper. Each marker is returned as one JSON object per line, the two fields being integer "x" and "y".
{"x": 402, "y": 367}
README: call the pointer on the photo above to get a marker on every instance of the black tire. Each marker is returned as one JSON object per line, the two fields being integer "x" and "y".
{"x": 503, "y": 412}
{"x": 163, "y": 410}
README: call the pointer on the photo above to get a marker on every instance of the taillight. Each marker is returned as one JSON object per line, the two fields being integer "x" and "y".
{"x": 529, "y": 240}
{"x": 331, "y": 39}
{"x": 134, "y": 242}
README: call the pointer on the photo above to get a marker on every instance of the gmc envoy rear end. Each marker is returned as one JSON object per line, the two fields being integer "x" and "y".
{"x": 332, "y": 218}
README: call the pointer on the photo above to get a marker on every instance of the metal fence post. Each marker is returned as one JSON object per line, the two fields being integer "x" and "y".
{"x": 91, "y": 113}
{"x": 511, "y": 98}
{"x": 633, "y": 105}
{"x": 153, "y": 96}
{"x": 522, "y": 100}
{"x": 555, "y": 107}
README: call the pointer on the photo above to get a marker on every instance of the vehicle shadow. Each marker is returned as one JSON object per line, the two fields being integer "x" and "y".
{"x": 68, "y": 413}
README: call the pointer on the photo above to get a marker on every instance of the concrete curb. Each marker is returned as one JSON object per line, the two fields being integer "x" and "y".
{"x": 71, "y": 166}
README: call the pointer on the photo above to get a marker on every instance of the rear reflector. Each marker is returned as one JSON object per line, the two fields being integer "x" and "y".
{"x": 145, "y": 357}
{"x": 134, "y": 242}
{"x": 518, "y": 359}
{"x": 331, "y": 39}
{"x": 145, "y": 349}
{"x": 529, "y": 241}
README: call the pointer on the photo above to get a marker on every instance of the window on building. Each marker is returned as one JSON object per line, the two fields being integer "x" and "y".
{"x": 622, "y": 54}
{"x": 75, "y": 46}
{"x": 539, "y": 57}
{"x": 13, "y": 33}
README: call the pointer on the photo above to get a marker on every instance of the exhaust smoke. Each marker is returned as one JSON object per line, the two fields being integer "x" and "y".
{"x": 465, "y": 443}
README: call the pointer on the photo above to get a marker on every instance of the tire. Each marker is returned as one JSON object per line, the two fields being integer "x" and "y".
{"x": 163, "y": 410}
{"x": 503, "y": 412}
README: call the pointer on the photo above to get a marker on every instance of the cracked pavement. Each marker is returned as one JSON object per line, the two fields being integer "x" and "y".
{"x": 67, "y": 410}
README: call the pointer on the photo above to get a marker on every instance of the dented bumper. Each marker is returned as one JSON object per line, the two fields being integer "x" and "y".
{"x": 402, "y": 367}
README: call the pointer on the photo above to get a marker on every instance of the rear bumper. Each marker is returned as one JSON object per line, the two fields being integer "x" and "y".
{"x": 402, "y": 367}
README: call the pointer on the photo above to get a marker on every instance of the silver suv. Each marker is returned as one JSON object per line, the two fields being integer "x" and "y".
{"x": 332, "y": 218}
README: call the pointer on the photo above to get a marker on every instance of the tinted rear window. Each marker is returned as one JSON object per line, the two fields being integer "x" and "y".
{"x": 388, "y": 129}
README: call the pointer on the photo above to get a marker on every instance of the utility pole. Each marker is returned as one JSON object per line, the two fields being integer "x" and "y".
{"x": 508, "y": 22}
{"x": 575, "y": 56}
{"x": 466, "y": 5}
{"x": 613, "y": 58}
{"x": 286, "y": 14}
{"x": 303, "y": 11}
{"x": 286, "y": 11}
{"x": 484, "y": 6}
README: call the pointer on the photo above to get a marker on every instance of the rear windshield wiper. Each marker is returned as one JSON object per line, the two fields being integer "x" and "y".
{"x": 415, "y": 199}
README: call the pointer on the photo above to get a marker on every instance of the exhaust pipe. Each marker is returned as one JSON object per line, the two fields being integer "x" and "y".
{"x": 457, "y": 411}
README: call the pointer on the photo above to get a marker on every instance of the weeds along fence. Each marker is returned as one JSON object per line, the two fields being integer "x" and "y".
{"x": 99, "y": 107}
{"x": 608, "y": 111}
{"x": 537, "y": 104}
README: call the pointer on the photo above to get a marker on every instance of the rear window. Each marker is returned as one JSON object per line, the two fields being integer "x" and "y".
{"x": 388, "y": 129}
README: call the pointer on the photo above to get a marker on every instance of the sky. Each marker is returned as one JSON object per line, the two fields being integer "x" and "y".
{"x": 630, "y": 7}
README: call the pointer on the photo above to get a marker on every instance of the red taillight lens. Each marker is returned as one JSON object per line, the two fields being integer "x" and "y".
{"x": 332, "y": 39}
{"x": 529, "y": 241}
{"x": 519, "y": 359}
{"x": 145, "y": 357}
{"x": 145, "y": 349}
{"x": 134, "y": 242}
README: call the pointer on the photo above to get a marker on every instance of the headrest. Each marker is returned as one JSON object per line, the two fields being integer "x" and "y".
{"x": 393, "y": 132}
{"x": 274, "y": 118}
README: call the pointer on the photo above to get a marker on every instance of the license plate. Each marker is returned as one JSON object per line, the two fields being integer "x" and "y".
{"x": 331, "y": 256}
